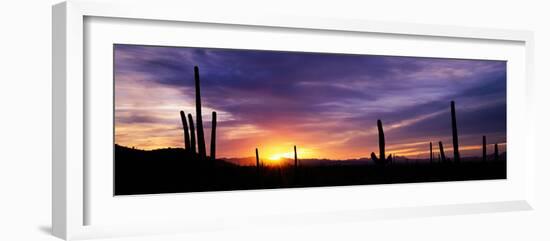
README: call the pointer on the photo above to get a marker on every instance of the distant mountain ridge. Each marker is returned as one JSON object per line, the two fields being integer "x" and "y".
{"x": 245, "y": 161}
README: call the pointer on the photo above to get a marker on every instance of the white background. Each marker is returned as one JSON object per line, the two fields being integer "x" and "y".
{"x": 25, "y": 122}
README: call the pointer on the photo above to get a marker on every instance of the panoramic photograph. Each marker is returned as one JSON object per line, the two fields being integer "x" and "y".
{"x": 191, "y": 119}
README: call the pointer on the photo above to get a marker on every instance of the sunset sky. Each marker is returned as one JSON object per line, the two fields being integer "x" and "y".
{"x": 326, "y": 104}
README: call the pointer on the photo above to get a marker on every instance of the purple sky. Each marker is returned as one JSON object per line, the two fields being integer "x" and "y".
{"x": 327, "y": 104}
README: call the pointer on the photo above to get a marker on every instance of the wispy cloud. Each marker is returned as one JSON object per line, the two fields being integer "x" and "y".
{"x": 328, "y": 103}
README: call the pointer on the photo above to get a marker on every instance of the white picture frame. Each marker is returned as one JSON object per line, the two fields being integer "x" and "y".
{"x": 72, "y": 190}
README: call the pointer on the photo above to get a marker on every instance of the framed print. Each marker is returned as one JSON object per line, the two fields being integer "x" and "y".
{"x": 178, "y": 121}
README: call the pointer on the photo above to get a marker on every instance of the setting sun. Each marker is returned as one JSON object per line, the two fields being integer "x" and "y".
{"x": 277, "y": 155}
{"x": 280, "y": 156}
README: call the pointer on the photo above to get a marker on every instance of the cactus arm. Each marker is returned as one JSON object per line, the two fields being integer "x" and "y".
{"x": 192, "y": 134}
{"x": 442, "y": 152}
{"x": 185, "y": 131}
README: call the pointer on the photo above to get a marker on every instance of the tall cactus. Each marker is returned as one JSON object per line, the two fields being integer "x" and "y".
{"x": 258, "y": 170}
{"x": 213, "y": 137}
{"x": 200, "y": 130}
{"x": 381, "y": 141}
{"x": 295, "y": 158}
{"x": 496, "y": 152}
{"x": 192, "y": 134}
{"x": 484, "y": 149}
{"x": 185, "y": 132}
{"x": 257, "y": 161}
{"x": 456, "y": 155}
{"x": 431, "y": 153}
{"x": 295, "y": 165}
{"x": 381, "y": 145}
{"x": 442, "y": 152}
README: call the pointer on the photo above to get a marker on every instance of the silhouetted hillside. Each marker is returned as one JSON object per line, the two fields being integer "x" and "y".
{"x": 172, "y": 170}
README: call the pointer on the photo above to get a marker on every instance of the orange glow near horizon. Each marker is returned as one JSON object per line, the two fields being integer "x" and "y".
{"x": 278, "y": 148}
{"x": 276, "y": 154}
{"x": 412, "y": 152}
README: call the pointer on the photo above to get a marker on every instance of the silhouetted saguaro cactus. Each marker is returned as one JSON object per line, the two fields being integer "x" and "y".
{"x": 192, "y": 134}
{"x": 484, "y": 149}
{"x": 295, "y": 165}
{"x": 431, "y": 153}
{"x": 200, "y": 129}
{"x": 442, "y": 152}
{"x": 496, "y": 151}
{"x": 295, "y": 158}
{"x": 381, "y": 141}
{"x": 257, "y": 162}
{"x": 258, "y": 169}
{"x": 456, "y": 154}
{"x": 213, "y": 137}
{"x": 381, "y": 146}
{"x": 185, "y": 132}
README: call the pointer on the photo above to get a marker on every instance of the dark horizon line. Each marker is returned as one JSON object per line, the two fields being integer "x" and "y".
{"x": 327, "y": 159}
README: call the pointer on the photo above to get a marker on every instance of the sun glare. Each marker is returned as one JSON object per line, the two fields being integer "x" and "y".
{"x": 280, "y": 156}
{"x": 283, "y": 154}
